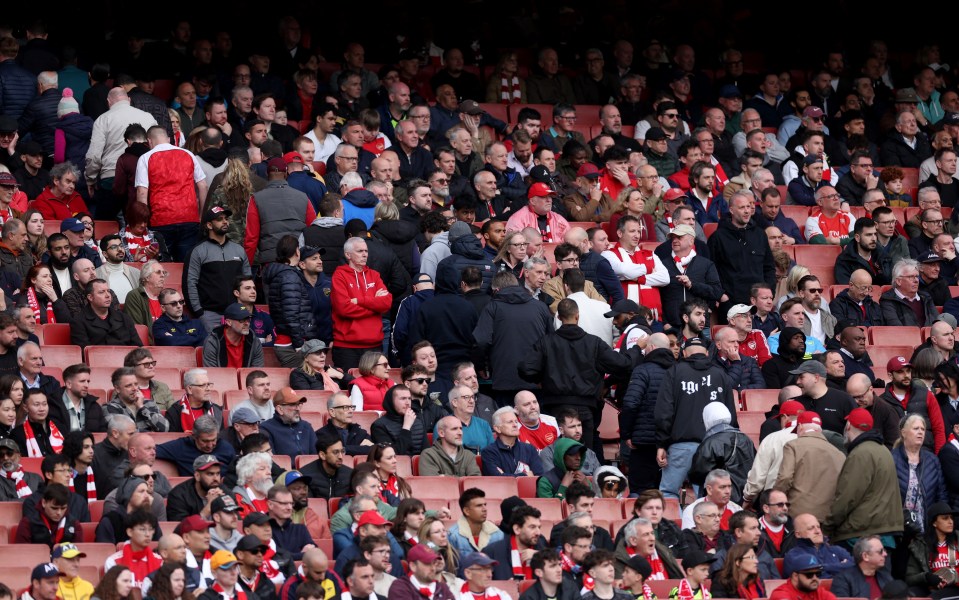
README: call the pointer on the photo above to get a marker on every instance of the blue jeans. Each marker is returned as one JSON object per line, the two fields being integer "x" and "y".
{"x": 680, "y": 457}
{"x": 180, "y": 238}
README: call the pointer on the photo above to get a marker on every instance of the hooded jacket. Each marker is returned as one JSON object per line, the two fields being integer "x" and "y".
{"x": 724, "y": 447}
{"x": 776, "y": 370}
{"x": 213, "y": 162}
{"x": 358, "y": 325}
{"x": 742, "y": 258}
{"x": 435, "y": 461}
{"x": 72, "y": 138}
{"x": 438, "y": 249}
{"x": 400, "y": 236}
{"x": 326, "y": 233}
{"x": 359, "y": 204}
{"x": 550, "y": 484}
{"x": 507, "y": 330}
{"x": 465, "y": 251}
{"x": 571, "y": 365}
{"x": 678, "y": 413}
{"x": 289, "y": 300}
{"x": 405, "y": 317}
{"x": 867, "y": 495}
{"x": 388, "y": 429}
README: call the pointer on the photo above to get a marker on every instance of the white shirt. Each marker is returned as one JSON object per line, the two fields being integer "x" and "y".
{"x": 63, "y": 277}
{"x": 627, "y": 271}
{"x": 513, "y": 162}
{"x": 815, "y": 325}
{"x": 118, "y": 281}
{"x": 323, "y": 150}
{"x": 591, "y": 318}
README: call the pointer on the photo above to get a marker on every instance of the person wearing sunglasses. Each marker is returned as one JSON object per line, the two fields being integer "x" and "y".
{"x": 173, "y": 328}
{"x": 249, "y": 552}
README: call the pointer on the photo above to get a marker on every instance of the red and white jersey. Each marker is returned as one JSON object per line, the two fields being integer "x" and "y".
{"x": 756, "y": 346}
{"x": 543, "y": 435}
{"x": 840, "y": 225}
{"x": 640, "y": 273}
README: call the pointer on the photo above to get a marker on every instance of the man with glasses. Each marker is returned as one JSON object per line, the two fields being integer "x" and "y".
{"x": 477, "y": 433}
{"x": 828, "y": 224}
{"x": 122, "y": 278}
{"x": 230, "y": 344}
{"x": 855, "y": 303}
{"x": 172, "y": 328}
{"x": 906, "y": 146}
{"x": 288, "y": 433}
{"x": 197, "y": 494}
{"x": 905, "y": 303}
{"x": 293, "y": 537}
{"x": 858, "y": 180}
{"x": 197, "y": 402}
{"x": 885, "y": 415}
{"x": 56, "y": 470}
{"x": 928, "y": 199}
{"x": 562, "y": 130}
{"x": 567, "y": 257}
{"x": 890, "y": 236}
{"x": 356, "y": 440}
{"x": 818, "y": 323}
{"x": 250, "y": 554}
{"x": 776, "y": 532}
{"x": 869, "y": 572}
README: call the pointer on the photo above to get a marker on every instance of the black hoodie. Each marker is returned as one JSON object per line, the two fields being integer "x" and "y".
{"x": 400, "y": 236}
{"x": 636, "y": 421}
{"x": 388, "y": 429}
{"x": 686, "y": 389}
{"x": 213, "y": 157}
{"x": 447, "y": 320}
{"x": 465, "y": 251}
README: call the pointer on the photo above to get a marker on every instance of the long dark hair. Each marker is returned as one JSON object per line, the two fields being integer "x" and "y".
{"x": 162, "y": 589}
{"x": 107, "y": 588}
{"x": 375, "y": 455}
{"x": 407, "y": 506}
{"x": 729, "y": 575}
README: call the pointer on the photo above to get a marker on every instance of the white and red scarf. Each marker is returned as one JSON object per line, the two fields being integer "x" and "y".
{"x": 509, "y": 90}
{"x": 485, "y": 595}
{"x": 683, "y": 263}
{"x": 410, "y": 538}
{"x": 23, "y": 490}
{"x": 142, "y": 563}
{"x": 33, "y": 448}
{"x": 238, "y": 592}
{"x": 35, "y": 307}
{"x": 56, "y": 534}
{"x": 520, "y": 570}
{"x": 270, "y": 567}
{"x": 685, "y": 591}
{"x": 391, "y": 485}
{"x": 569, "y": 566}
{"x": 91, "y": 484}
{"x": 187, "y": 416}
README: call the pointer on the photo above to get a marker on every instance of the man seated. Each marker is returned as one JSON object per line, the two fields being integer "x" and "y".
{"x": 567, "y": 458}
{"x": 260, "y": 399}
{"x": 51, "y": 524}
{"x": 230, "y": 344}
{"x": 67, "y": 557}
{"x": 38, "y": 435}
{"x": 547, "y": 568}
{"x": 828, "y": 224}
{"x": 133, "y": 495}
{"x": 100, "y": 324}
{"x": 855, "y": 303}
{"x": 802, "y": 189}
{"x": 250, "y": 554}
{"x": 196, "y": 495}
{"x": 810, "y": 540}
{"x": 136, "y": 553}
{"x": 752, "y": 342}
{"x": 74, "y": 300}
{"x": 770, "y": 214}
{"x": 862, "y": 253}
{"x": 744, "y": 527}
{"x": 477, "y": 569}
{"x": 400, "y": 426}
{"x": 905, "y": 304}
{"x": 447, "y": 455}
{"x": 204, "y": 440}
{"x": 288, "y": 433}
{"x": 369, "y": 523}
{"x": 128, "y": 400}
{"x": 539, "y": 215}
{"x": 30, "y": 362}
{"x": 869, "y": 570}
{"x": 172, "y": 328}
{"x": 75, "y": 409}
{"x": 473, "y": 530}
{"x": 56, "y": 469}
{"x": 197, "y": 402}
{"x": 329, "y": 478}
{"x": 293, "y": 537}
{"x": 253, "y": 482}
{"x": 793, "y": 314}
{"x": 705, "y": 534}
{"x": 639, "y": 539}
{"x": 516, "y": 549}
{"x": 243, "y": 422}
{"x": 356, "y": 440}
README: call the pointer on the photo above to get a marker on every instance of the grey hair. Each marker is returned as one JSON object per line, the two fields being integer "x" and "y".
{"x": 571, "y": 519}
{"x": 533, "y": 261}
{"x": 927, "y": 191}
{"x": 349, "y": 245}
{"x": 22, "y": 350}
{"x": 498, "y": 415}
{"x": 12, "y": 226}
{"x": 355, "y": 510}
{"x": 351, "y": 180}
{"x": 715, "y": 475}
{"x": 48, "y": 79}
{"x": 760, "y": 172}
{"x": 190, "y": 377}
{"x": 205, "y": 424}
{"x": 862, "y": 546}
{"x": 703, "y": 507}
{"x": 148, "y": 269}
{"x": 631, "y": 527}
{"x": 118, "y": 422}
{"x": 246, "y": 466}
{"x": 241, "y": 89}
{"x": 740, "y": 194}
{"x": 58, "y": 171}
{"x": 375, "y": 183}
{"x": 902, "y": 265}
{"x": 332, "y": 399}
{"x": 454, "y": 393}
{"x": 339, "y": 149}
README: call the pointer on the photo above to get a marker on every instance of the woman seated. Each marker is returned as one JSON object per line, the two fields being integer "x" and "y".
{"x": 315, "y": 374}
{"x": 393, "y": 488}
{"x": 739, "y": 577}
{"x": 512, "y": 254}
{"x": 369, "y": 389}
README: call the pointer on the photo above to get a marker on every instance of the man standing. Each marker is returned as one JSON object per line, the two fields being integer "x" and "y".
{"x": 685, "y": 390}
{"x": 885, "y": 415}
{"x": 639, "y": 270}
{"x": 165, "y": 181}
{"x": 832, "y": 405}
{"x": 741, "y": 253}
{"x": 357, "y": 307}
{"x": 810, "y": 468}
{"x": 274, "y": 212}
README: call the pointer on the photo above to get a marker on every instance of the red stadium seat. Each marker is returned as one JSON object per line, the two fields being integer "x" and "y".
{"x": 222, "y": 378}
{"x": 608, "y": 509}
{"x": 144, "y": 332}
{"x": 63, "y": 356}
{"x": 882, "y": 335}
{"x": 527, "y": 486}
{"x": 10, "y": 513}
{"x": 434, "y": 487}
{"x": 174, "y": 356}
{"x": 302, "y": 460}
{"x": 820, "y": 255}
{"x": 54, "y": 334}
{"x": 108, "y": 356}
{"x": 750, "y": 422}
{"x": 496, "y": 488}
{"x": 880, "y": 355}
{"x": 551, "y": 508}
{"x": 279, "y": 377}
{"x": 760, "y": 400}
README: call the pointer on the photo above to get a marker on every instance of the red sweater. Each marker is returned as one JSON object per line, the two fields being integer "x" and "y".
{"x": 359, "y": 324}
{"x": 58, "y": 209}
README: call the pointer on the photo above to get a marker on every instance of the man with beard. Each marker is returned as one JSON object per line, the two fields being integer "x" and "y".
{"x": 885, "y": 416}
{"x": 298, "y": 485}
{"x": 133, "y": 494}
{"x": 852, "y": 349}
{"x": 195, "y": 496}
{"x": 862, "y": 253}
{"x": 805, "y": 580}
{"x": 776, "y": 530}
{"x": 225, "y": 533}
{"x": 786, "y": 357}
{"x": 122, "y": 278}
{"x": 832, "y": 405}
{"x": 59, "y": 260}
{"x": 254, "y": 480}
{"x": 288, "y": 433}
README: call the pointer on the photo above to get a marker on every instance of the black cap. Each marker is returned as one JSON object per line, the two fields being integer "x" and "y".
{"x": 541, "y": 174}
{"x": 621, "y": 307}
{"x": 216, "y": 211}
{"x": 655, "y": 134}
{"x": 689, "y": 343}
{"x": 249, "y": 542}
{"x": 929, "y": 257}
{"x": 641, "y": 566}
{"x": 936, "y": 510}
{"x": 30, "y": 148}
{"x": 308, "y": 251}
{"x": 7, "y": 124}
{"x": 255, "y": 518}
{"x": 694, "y": 558}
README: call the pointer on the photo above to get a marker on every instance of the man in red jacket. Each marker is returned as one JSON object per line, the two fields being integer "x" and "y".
{"x": 359, "y": 300}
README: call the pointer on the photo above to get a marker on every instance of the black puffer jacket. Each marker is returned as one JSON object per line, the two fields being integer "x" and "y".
{"x": 327, "y": 233}
{"x": 849, "y": 261}
{"x": 400, "y": 236}
{"x": 507, "y": 329}
{"x": 845, "y": 308}
{"x": 465, "y": 251}
{"x": 17, "y": 88}
{"x": 388, "y": 429}
{"x": 636, "y": 422}
{"x": 39, "y": 119}
{"x": 724, "y": 447}
{"x": 289, "y": 299}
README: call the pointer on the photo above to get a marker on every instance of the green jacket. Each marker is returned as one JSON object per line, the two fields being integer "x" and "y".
{"x": 137, "y": 307}
{"x": 550, "y": 484}
{"x": 867, "y": 494}
{"x": 342, "y": 519}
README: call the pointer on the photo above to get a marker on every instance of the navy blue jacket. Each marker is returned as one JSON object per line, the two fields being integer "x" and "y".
{"x": 291, "y": 440}
{"x": 447, "y": 320}
{"x": 416, "y": 166}
{"x": 501, "y": 461}
{"x": 465, "y": 251}
{"x": 781, "y": 222}
{"x": 929, "y": 473}
{"x": 717, "y": 208}
{"x": 322, "y": 308}
{"x": 182, "y": 452}
{"x": 403, "y": 323}
{"x": 744, "y": 373}
{"x": 845, "y": 308}
{"x": 834, "y": 559}
{"x": 598, "y": 270}
{"x": 187, "y": 332}
{"x": 353, "y": 437}
{"x": 17, "y": 88}
{"x": 851, "y": 583}
{"x": 289, "y": 300}
{"x": 346, "y": 547}
{"x": 39, "y": 119}
{"x": 500, "y": 550}
{"x": 291, "y": 536}
{"x": 309, "y": 185}
{"x": 510, "y": 185}
{"x": 853, "y": 366}
{"x": 77, "y": 130}
{"x": 636, "y": 421}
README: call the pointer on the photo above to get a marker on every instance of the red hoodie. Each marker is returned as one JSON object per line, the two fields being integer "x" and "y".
{"x": 358, "y": 325}
{"x": 58, "y": 209}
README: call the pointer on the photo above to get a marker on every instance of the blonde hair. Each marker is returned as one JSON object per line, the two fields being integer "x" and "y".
{"x": 236, "y": 185}
{"x": 386, "y": 211}
{"x": 792, "y": 278}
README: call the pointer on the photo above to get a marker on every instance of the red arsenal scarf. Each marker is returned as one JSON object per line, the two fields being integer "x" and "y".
{"x": 23, "y": 490}
{"x": 91, "y": 483}
{"x": 33, "y": 448}
{"x": 35, "y": 307}
{"x": 187, "y": 415}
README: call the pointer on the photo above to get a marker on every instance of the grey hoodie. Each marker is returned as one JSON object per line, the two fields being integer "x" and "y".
{"x": 438, "y": 249}
{"x": 218, "y": 543}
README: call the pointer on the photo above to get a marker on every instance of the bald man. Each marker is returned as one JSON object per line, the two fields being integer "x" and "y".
{"x": 855, "y": 303}
{"x": 447, "y": 455}
{"x": 594, "y": 266}
{"x": 885, "y": 419}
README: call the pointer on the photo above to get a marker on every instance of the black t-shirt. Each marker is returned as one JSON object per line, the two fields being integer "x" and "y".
{"x": 832, "y": 407}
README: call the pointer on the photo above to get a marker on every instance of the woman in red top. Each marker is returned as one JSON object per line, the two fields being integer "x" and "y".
{"x": 370, "y": 388}
{"x": 60, "y": 199}
{"x": 630, "y": 202}
{"x": 739, "y": 577}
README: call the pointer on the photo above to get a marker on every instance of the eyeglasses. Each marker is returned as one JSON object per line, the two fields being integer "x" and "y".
{"x": 468, "y": 398}
{"x": 175, "y": 303}
{"x": 830, "y": 197}
{"x": 419, "y": 380}
{"x": 113, "y": 247}
{"x": 257, "y": 550}
{"x": 382, "y": 364}
{"x": 710, "y": 515}
{"x": 933, "y": 221}
{"x": 864, "y": 166}
{"x": 201, "y": 385}
{"x": 441, "y": 180}
{"x": 148, "y": 364}
{"x": 570, "y": 259}
{"x": 344, "y": 407}
{"x": 568, "y": 117}
{"x": 780, "y": 505}
{"x": 519, "y": 244}
{"x": 349, "y": 157}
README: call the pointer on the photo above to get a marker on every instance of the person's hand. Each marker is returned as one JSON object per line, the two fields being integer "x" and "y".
{"x": 380, "y": 293}
{"x": 579, "y": 476}
{"x": 789, "y": 241}
{"x": 657, "y": 189}
{"x": 13, "y": 144}
{"x": 444, "y": 513}
{"x": 366, "y": 443}
{"x": 629, "y": 444}
{"x": 151, "y": 251}
{"x": 213, "y": 494}
{"x": 334, "y": 373}
{"x": 227, "y": 128}
{"x": 732, "y": 356}
{"x": 409, "y": 417}
{"x": 685, "y": 281}
{"x": 527, "y": 555}
{"x": 872, "y": 182}
{"x": 595, "y": 194}
{"x": 833, "y": 239}
{"x": 48, "y": 291}
{"x": 308, "y": 547}
{"x": 90, "y": 189}
{"x": 140, "y": 400}
{"x": 568, "y": 479}
{"x": 724, "y": 298}
{"x": 661, "y": 458}
{"x": 947, "y": 253}
{"x": 844, "y": 207}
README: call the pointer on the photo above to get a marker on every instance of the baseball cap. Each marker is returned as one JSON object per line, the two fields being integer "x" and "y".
{"x": 907, "y": 96}
{"x": 205, "y": 461}
{"x": 372, "y": 517}
{"x": 673, "y": 194}
{"x": 812, "y": 159}
{"x": 216, "y": 211}
{"x": 8, "y": 180}
{"x": 293, "y": 157}
{"x": 538, "y": 190}
{"x": 950, "y": 118}
{"x": 311, "y": 346}
{"x": 808, "y": 417}
{"x": 588, "y": 170}
{"x": 812, "y": 111}
{"x": 799, "y": 561}
{"x": 249, "y": 542}
{"x": 66, "y": 551}
{"x": 471, "y": 107}
{"x": 292, "y": 476}
{"x": 810, "y": 366}
{"x": 287, "y": 396}
{"x": 622, "y": 306}
{"x": 222, "y": 559}
{"x": 897, "y": 363}
{"x": 860, "y": 419}
{"x": 276, "y": 165}
{"x": 683, "y": 229}
{"x": 193, "y": 523}
{"x": 30, "y": 148}
{"x": 540, "y": 173}
{"x": 308, "y": 251}
{"x": 224, "y": 503}
{"x": 655, "y": 134}
{"x": 730, "y": 91}
{"x": 44, "y": 571}
{"x": 694, "y": 558}
{"x": 244, "y": 414}
{"x": 739, "y": 309}
{"x": 71, "y": 224}
{"x": 237, "y": 312}
{"x": 640, "y": 565}
{"x": 255, "y": 518}
{"x": 676, "y": 75}
{"x": 477, "y": 558}
{"x": 694, "y": 341}
{"x": 420, "y": 553}
{"x": 791, "y": 408}
{"x": 929, "y": 257}
{"x": 9, "y": 445}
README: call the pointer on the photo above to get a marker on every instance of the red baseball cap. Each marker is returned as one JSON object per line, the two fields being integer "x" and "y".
{"x": 538, "y": 190}
{"x": 588, "y": 170}
{"x": 860, "y": 419}
{"x": 791, "y": 408}
{"x": 897, "y": 363}
{"x": 293, "y": 157}
{"x": 809, "y": 416}
{"x": 673, "y": 194}
{"x": 372, "y": 517}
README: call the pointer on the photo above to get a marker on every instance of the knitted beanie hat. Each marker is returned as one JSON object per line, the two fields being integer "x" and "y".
{"x": 68, "y": 104}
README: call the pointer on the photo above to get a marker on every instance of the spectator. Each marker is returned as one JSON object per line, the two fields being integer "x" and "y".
{"x": 273, "y": 212}
{"x": 355, "y": 439}
{"x": 329, "y": 478}
{"x": 129, "y": 400}
{"x": 287, "y": 432}
{"x": 37, "y": 435}
{"x": 15, "y": 257}
{"x": 133, "y": 496}
{"x": 143, "y": 302}
{"x": 723, "y": 447}
{"x": 447, "y": 456}
{"x": 400, "y": 427}
{"x": 172, "y": 328}
{"x": 920, "y": 475}
{"x": 289, "y": 294}
{"x": 76, "y": 409}
{"x": 196, "y": 403}
{"x": 230, "y": 344}
{"x": 204, "y": 440}
{"x": 370, "y": 388}
{"x": 357, "y": 311}
{"x": 507, "y": 456}
{"x": 809, "y": 539}
{"x": 253, "y": 483}
{"x": 100, "y": 324}
{"x": 905, "y": 303}
{"x": 122, "y": 277}
{"x": 810, "y": 466}
{"x": 60, "y": 200}
{"x": 198, "y": 494}
{"x": 109, "y": 453}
